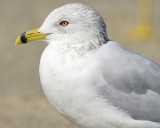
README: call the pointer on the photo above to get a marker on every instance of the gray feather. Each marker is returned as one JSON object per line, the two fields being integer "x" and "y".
{"x": 135, "y": 87}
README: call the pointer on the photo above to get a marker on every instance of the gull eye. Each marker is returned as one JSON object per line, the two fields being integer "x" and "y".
{"x": 64, "y": 23}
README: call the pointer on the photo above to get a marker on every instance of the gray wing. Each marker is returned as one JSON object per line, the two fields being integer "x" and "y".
{"x": 133, "y": 84}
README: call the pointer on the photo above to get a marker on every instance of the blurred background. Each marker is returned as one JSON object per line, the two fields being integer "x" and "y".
{"x": 22, "y": 101}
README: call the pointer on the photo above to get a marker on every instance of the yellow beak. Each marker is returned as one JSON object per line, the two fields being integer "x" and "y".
{"x": 30, "y": 36}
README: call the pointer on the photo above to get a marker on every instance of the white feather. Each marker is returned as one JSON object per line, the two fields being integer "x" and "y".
{"x": 89, "y": 79}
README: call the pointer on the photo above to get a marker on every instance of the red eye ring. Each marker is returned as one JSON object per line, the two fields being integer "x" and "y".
{"x": 64, "y": 23}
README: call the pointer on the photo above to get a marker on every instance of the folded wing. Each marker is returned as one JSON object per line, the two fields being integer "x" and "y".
{"x": 133, "y": 82}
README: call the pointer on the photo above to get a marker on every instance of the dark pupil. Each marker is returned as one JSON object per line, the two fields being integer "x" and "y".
{"x": 64, "y": 23}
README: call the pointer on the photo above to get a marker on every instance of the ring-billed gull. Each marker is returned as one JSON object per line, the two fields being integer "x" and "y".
{"x": 93, "y": 81}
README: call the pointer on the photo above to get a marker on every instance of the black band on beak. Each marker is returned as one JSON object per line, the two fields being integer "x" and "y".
{"x": 23, "y": 38}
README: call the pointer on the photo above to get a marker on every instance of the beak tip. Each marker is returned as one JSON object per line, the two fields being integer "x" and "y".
{"x": 18, "y": 41}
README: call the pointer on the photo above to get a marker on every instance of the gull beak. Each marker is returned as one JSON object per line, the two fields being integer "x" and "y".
{"x": 31, "y": 35}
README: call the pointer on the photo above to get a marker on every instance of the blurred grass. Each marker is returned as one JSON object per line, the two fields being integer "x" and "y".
{"x": 22, "y": 102}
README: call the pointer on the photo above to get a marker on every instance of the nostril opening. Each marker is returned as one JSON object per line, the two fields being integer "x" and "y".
{"x": 30, "y": 33}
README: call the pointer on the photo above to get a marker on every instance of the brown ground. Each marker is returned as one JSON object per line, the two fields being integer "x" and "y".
{"x": 22, "y": 102}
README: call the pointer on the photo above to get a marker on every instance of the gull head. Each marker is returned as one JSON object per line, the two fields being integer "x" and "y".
{"x": 69, "y": 24}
